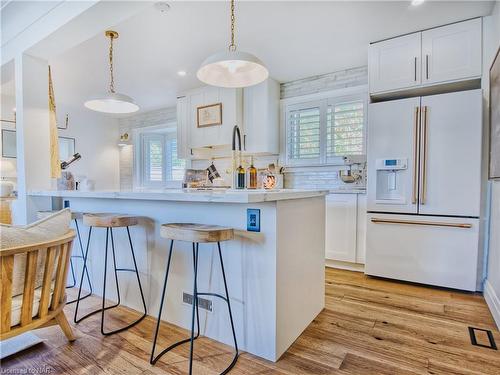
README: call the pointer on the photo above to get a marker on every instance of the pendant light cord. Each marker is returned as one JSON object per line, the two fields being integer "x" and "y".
{"x": 232, "y": 46}
{"x": 112, "y": 80}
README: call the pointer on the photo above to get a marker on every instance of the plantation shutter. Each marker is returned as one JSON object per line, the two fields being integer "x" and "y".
{"x": 345, "y": 123}
{"x": 303, "y": 134}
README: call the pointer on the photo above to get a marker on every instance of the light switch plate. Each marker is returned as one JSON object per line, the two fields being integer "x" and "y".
{"x": 253, "y": 219}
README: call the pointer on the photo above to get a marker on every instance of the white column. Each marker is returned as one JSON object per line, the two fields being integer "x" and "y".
{"x": 32, "y": 126}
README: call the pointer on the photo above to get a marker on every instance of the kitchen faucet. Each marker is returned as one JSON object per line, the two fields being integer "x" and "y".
{"x": 236, "y": 132}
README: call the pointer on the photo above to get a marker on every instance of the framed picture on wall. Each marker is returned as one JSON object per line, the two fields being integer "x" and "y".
{"x": 209, "y": 115}
{"x": 494, "y": 163}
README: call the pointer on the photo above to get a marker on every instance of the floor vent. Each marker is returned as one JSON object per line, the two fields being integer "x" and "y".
{"x": 484, "y": 335}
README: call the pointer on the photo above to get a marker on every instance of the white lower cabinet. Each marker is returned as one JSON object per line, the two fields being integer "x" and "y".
{"x": 345, "y": 227}
{"x": 361, "y": 229}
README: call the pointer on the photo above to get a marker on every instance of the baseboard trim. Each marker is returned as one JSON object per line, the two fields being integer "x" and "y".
{"x": 493, "y": 302}
{"x": 358, "y": 267}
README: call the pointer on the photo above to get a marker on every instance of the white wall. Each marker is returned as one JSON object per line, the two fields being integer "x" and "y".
{"x": 492, "y": 285}
{"x": 96, "y": 137}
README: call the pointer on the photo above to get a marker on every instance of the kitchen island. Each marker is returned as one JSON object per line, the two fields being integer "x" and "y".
{"x": 275, "y": 276}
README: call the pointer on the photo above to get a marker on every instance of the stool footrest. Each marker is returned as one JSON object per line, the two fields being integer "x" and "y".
{"x": 81, "y": 298}
{"x": 213, "y": 295}
{"x": 125, "y": 270}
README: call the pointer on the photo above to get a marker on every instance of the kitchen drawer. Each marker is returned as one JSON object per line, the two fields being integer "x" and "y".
{"x": 444, "y": 252}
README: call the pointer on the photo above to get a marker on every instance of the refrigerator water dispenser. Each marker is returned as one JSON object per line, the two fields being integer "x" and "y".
{"x": 390, "y": 186}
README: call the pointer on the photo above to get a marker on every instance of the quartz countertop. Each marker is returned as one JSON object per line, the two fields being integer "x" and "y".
{"x": 221, "y": 196}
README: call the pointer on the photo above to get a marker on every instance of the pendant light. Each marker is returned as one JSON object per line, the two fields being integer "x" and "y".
{"x": 112, "y": 102}
{"x": 232, "y": 68}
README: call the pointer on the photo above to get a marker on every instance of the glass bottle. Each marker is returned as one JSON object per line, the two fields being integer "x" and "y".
{"x": 240, "y": 180}
{"x": 252, "y": 176}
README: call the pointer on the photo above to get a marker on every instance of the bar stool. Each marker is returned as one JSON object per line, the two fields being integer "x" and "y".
{"x": 75, "y": 216}
{"x": 110, "y": 221}
{"x": 195, "y": 233}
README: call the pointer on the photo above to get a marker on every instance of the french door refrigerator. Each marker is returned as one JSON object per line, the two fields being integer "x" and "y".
{"x": 424, "y": 189}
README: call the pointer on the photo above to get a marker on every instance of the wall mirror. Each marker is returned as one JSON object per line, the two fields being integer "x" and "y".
{"x": 9, "y": 148}
{"x": 66, "y": 148}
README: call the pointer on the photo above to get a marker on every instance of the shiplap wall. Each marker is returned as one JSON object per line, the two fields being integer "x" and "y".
{"x": 324, "y": 177}
{"x": 325, "y": 82}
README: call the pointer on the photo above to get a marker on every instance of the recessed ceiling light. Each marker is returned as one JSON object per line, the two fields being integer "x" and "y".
{"x": 182, "y": 73}
{"x": 162, "y": 7}
{"x": 417, "y": 2}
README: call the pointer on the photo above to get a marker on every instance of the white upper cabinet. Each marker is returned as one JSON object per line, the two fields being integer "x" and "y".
{"x": 395, "y": 63}
{"x": 232, "y": 114}
{"x": 446, "y": 54}
{"x": 261, "y": 117}
{"x": 254, "y": 109}
{"x": 183, "y": 150}
{"x": 452, "y": 52}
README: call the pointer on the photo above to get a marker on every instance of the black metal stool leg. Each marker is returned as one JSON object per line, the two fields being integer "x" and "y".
{"x": 118, "y": 288}
{"x": 136, "y": 271}
{"x": 81, "y": 281}
{"x": 154, "y": 359}
{"x": 230, "y": 313}
{"x": 195, "y": 305}
{"x": 73, "y": 283}
{"x": 86, "y": 271}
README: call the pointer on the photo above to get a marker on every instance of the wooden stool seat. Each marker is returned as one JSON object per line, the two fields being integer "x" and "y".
{"x": 107, "y": 220}
{"x": 198, "y": 233}
{"x": 43, "y": 214}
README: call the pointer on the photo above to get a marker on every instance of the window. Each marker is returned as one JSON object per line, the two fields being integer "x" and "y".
{"x": 345, "y": 123}
{"x": 324, "y": 131}
{"x": 304, "y": 133}
{"x": 159, "y": 165}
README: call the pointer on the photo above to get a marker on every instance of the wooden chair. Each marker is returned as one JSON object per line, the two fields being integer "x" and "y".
{"x": 42, "y": 306}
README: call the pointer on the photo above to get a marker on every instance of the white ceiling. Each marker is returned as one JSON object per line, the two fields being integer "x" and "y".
{"x": 296, "y": 39}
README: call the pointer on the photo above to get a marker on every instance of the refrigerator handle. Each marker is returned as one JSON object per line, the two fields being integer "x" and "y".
{"x": 415, "y": 155}
{"x": 376, "y": 220}
{"x": 423, "y": 190}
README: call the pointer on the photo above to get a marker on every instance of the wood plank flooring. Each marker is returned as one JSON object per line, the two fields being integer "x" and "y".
{"x": 369, "y": 326}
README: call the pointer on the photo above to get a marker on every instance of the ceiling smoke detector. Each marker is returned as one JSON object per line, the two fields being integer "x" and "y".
{"x": 162, "y": 6}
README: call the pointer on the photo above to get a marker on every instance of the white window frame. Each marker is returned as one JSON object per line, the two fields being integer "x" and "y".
{"x": 164, "y": 131}
{"x": 322, "y": 100}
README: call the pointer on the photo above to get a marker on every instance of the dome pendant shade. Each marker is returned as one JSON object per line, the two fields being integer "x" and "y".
{"x": 232, "y": 69}
{"x": 112, "y": 103}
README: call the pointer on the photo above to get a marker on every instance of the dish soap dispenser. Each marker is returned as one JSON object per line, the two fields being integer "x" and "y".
{"x": 252, "y": 175}
{"x": 240, "y": 179}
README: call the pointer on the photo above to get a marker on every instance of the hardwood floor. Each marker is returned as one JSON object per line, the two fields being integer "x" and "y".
{"x": 369, "y": 326}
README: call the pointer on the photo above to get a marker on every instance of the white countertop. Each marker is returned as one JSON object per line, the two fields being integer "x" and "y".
{"x": 224, "y": 196}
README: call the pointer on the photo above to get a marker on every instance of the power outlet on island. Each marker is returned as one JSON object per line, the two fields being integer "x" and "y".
{"x": 253, "y": 220}
{"x": 203, "y": 303}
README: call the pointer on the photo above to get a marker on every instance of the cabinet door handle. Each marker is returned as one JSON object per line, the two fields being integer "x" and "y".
{"x": 427, "y": 223}
{"x": 423, "y": 190}
{"x": 415, "y": 67}
{"x": 244, "y": 142}
{"x": 415, "y": 155}
{"x": 426, "y": 66}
